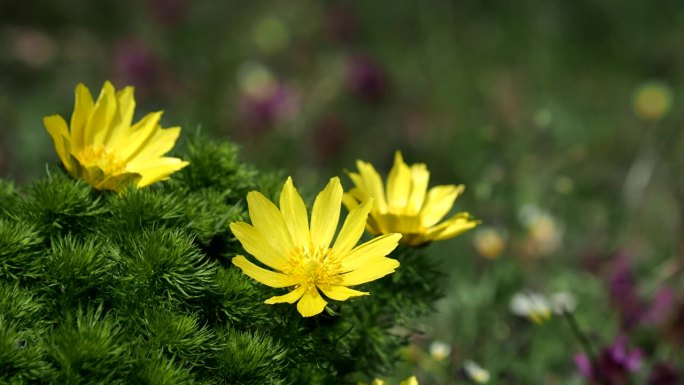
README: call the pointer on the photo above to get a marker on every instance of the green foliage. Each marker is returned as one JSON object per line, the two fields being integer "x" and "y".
{"x": 8, "y": 196}
{"x": 88, "y": 348}
{"x": 22, "y": 359}
{"x": 138, "y": 288}
{"x": 19, "y": 243}
{"x": 76, "y": 271}
{"x": 250, "y": 359}
{"x": 215, "y": 166}
{"x": 157, "y": 370}
{"x": 58, "y": 205}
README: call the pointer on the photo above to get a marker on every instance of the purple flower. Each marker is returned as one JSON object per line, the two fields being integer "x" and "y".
{"x": 623, "y": 292}
{"x": 660, "y": 308}
{"x": 261, "y": 110}
{"x": 634, "y": 309}
{"x": 136, "y": 64}
{"x": 584, "y": 366}
{"x": 366, "y": 79}
{"x": 613, "y": 365}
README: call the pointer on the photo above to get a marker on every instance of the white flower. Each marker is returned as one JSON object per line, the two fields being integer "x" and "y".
{"x": 475, "y": 372}
{"x": 439, "y": 350}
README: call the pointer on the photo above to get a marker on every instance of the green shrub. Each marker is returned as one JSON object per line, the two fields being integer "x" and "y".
{"x": 138, "y": 288}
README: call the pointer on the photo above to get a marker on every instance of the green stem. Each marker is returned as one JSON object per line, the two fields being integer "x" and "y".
{"x": 586, "y": 346}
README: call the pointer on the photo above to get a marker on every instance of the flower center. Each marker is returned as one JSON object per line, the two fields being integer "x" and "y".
{"x": 105, "y": 160}
{"x": 314, "y": 266}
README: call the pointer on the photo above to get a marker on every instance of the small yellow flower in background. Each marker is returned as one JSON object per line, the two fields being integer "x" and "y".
{"x": 300, "y": 254}
{"x": 544, "y": 232}
{"x": 103, "y": 147}
{"x": 409, "y": 381}
{"x": 652, "y": 100}
{"x": 475, "y": 372}
{"x": 489, "y": 242}
{"x": 406, "y": 205}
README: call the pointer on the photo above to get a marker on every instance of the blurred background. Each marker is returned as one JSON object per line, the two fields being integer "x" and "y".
{"x": 563, "y": 119}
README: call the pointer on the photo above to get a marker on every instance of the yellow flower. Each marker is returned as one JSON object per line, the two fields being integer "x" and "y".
{"x": 102, "y": 147}
{"x": 300, "y": 255}
{"x": 489, "y": 242}
{"x": 406, "y": 206}
{"x": 652, "y": 100}
{"x": 409, "y": 381}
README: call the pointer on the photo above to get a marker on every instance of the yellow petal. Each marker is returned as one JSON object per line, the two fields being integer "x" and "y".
{"x": 420, "y": 178}
{"x": 58, "y": 130}
{"x": 83, "y": 107}
{"x": 405, "y": 224}
{"x": 142, "y": 132}
{"x": 349, "y": 201}
{"x": 372, "y": 225}
{"x": 372, "y": 185}
{"x": 256, "y": 244}
{"x": 123, "y": 119}
{"x": 352, "y": 229}
{"x": 290, "y": 297}
{"x": 410, "y": 381}
{"x": 326, "y": 214}
{"x": 157, "y": 170}
{"x": 117, "y": 182}
{"x": 398, "y": 185}
{"x": 375, "y": 248}
{"x": 340, "y": 293}
{"x": 360, "y": 184}
{"x": 159, "y": 143}
{"x": 440, "y": 200}
{"x": 452, "y": 227}
{"x": 268, "y": 220}
{"x": 311, "y": 303}
{"x": 100, "y": 121}
{"x": 371, "y": 271}
{"x": 267, "y": 277}
{"x": 294, "y": 212}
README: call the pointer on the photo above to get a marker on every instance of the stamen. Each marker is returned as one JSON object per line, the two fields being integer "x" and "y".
{"x": 100, "y": 157}
{"x": 314, "y": 267}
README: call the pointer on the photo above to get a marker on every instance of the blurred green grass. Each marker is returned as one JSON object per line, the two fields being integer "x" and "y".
{"x": 528, "y": 103}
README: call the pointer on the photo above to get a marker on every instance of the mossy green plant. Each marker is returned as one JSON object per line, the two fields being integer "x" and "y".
{"x": 137, "y": 287}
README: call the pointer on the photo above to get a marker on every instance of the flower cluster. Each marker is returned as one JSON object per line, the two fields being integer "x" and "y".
{"x": 104, "y": 148}
{"x": 299, "y": 254}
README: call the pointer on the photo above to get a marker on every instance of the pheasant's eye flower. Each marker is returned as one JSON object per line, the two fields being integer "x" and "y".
{"x": 103, "y": 147}
{"x": 406, "y": 205}
{"x": 300, "y": 254}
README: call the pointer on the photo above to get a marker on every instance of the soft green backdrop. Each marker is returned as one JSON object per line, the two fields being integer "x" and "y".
{"x": 531, "y": 104}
